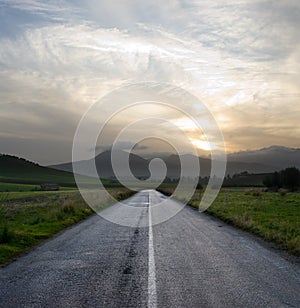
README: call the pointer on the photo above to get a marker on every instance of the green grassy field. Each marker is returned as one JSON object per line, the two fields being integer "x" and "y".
{"x": 272, "y": 216}
{"x": 6, "y": 187}
{"x": 13, "y": 187}
{"x": 27, "y": 218}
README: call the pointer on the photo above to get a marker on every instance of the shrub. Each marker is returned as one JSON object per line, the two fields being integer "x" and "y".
{"x": 5, "y": 235}
{"x": 68, "y": 208}
{"x": 256, "y": 193}
{"x": 282, "y": 192}
{"x": 36, "y": 220}
{"x": 199, "y": 186}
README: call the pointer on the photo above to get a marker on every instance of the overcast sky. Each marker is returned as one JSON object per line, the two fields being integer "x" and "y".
{"x": 240, "y": 57}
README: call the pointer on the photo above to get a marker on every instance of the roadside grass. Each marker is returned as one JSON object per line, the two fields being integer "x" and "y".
{"x": 272, "y": 216}
{"x": 26, "y": 222}
{"x": 275, "y": 217}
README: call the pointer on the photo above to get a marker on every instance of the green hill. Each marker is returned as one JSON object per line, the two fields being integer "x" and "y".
{"x": 19, "y": 170}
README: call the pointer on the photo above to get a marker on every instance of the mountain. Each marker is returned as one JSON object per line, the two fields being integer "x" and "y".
{"x": 174, "y": 167}
{"x": 20, "y": 170}
{"x": 265, "y": 160}
{"x": 274, "y": 157}
{"x": 140, "y": 166}
{"x": 233, "y": 167}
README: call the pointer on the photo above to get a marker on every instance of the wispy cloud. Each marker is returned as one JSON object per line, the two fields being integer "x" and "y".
{"x": 240, "y": 57}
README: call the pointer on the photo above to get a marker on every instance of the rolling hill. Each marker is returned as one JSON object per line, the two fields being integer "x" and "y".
{"x": 19, "y": 170}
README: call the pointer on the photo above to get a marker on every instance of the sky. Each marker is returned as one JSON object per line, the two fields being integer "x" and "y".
{"x": 241, "y": 58}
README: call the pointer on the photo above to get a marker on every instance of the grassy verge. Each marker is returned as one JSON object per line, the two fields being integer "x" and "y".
{"x": 28, "y": 218}
{"x": 272, "y": 216}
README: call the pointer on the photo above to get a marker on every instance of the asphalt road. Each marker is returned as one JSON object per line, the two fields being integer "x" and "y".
{"x": 191, "y": 260}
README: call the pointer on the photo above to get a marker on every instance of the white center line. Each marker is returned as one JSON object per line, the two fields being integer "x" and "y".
{"x": 152, "y": 296}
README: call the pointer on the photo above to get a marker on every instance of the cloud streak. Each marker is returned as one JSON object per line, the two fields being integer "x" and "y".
{"x": 239, "y": 57}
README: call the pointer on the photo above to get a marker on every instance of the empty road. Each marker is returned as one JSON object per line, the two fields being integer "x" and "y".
{"x": 191, "y": 260}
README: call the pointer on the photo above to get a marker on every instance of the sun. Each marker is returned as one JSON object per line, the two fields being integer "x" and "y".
{"x": 186, "y": 124}
{"x": 202, "y": 144}
{"x": 191, "y": 128}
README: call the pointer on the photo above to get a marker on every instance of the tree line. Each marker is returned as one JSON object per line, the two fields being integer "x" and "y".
{"x": 288, "y": 178}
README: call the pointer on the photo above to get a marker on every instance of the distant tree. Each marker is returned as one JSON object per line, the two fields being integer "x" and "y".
{"x": 288, "y": 178}
{"x": 199, "y": 185}
{"x": 277, "y": 179}
{"x": 205, "y": 180}
{"x": 273, "y": 180}
{"x": 167, "y": 180}
{"x": 267, "y": 181}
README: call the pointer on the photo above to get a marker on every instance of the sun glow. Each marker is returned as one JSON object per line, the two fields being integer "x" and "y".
{"x": 186, "y": 124}
{"x": 202, "y": 144}
{"x": 191, "y": 129}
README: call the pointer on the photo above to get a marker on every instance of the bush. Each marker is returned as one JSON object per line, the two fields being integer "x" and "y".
{"x": 256, "y": 193}
{"x": 199, "y": 186}
{"x": 68, "y": 207}
{"x": 5, "y": 235}
{"x": 282, "y": 192}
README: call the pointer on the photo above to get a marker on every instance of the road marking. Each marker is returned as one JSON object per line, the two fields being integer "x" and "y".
{"x": 152, "y": 296}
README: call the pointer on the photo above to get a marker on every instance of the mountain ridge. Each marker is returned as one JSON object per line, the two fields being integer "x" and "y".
{"x": 276, "y": 157}
{"x": 265, "y": 160}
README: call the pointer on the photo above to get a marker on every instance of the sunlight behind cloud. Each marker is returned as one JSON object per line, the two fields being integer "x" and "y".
{"x": 203, "y": 144}
{"x": 238, "y": 57}
{"x": 186, "y": 124}
{"x": 195, "y": 134}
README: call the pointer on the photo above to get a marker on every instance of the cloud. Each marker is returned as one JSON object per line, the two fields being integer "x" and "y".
{"x": 120, "y": 145}
{"x": 240, "y": 57}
